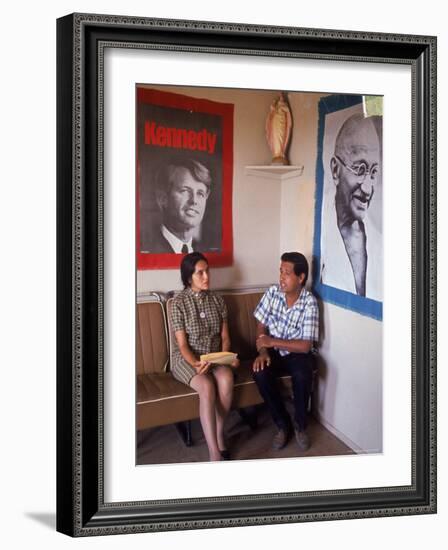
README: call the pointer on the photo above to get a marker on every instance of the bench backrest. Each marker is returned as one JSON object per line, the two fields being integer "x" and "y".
{"x": 152, "y": 338}
{"x": 242, "y": 323}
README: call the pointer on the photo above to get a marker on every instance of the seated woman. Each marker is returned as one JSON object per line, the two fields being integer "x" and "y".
{"x": 199, "y": 321}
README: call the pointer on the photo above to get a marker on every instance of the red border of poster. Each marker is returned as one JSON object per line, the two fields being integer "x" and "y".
{"x": 225, "y": 110}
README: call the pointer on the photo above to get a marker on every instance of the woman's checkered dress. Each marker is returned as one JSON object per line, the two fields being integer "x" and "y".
{"x": 201, "y": 316}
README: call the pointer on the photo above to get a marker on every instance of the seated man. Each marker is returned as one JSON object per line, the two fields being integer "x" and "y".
{"x": 288, "y": 324}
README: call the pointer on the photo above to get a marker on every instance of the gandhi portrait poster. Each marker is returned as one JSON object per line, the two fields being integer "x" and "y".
{"x": 184, "y": 178}
{"x": 348, "y": 240}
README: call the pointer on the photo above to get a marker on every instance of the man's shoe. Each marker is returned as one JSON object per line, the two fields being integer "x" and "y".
{"x": 303, "y": 441}
{"x": 280, "y": 439}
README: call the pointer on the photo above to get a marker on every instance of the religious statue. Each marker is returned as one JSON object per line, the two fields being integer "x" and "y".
{"x": 278, "y": 129}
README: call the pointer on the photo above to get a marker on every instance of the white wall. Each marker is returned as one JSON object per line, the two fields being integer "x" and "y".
{"x": 27, "y": 227}
{"x": 350, "y": 378}
{"x": 298, "y": 200}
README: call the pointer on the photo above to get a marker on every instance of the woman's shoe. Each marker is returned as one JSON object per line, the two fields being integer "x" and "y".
{"x": 225, "y": 454}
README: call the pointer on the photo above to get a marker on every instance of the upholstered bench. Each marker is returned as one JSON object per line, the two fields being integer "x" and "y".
{"x": 163, "y": 400}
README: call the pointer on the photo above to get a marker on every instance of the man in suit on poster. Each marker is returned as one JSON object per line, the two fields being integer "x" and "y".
{"x": 181, "y": 192}
{"x": 182, "y": 188}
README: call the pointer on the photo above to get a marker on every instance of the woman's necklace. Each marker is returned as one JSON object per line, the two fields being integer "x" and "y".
{"x": 199, "y": 304}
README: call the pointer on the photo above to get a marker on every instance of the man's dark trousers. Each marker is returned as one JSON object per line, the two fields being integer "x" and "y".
{"x": 300, "y": 367}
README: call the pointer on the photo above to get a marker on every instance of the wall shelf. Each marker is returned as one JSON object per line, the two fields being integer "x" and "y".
{"x": 275, "y": 172}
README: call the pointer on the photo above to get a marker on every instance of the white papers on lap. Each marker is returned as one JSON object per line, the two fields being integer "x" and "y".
{"x": 220, "y": 357}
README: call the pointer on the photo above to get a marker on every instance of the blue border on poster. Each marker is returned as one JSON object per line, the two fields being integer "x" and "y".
{"x": 347, "y": 300}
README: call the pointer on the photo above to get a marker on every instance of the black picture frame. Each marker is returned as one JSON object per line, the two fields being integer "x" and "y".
{"x": 81, "y": 509}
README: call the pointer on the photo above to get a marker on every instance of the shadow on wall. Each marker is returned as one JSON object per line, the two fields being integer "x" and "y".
{"x": 237, "y": 278}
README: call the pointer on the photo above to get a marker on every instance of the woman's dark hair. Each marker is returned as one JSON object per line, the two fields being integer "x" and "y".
{"x": 299, "y": 261}
{"x": 188, "y": 265}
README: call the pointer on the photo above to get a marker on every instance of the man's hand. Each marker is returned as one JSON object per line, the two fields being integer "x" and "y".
{"x": 264, "y": 341}
{"x": 262, "y": 361}
{"x": 202, "y": 367}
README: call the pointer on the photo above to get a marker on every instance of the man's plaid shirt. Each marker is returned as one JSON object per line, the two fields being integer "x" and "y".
{"x": 299, "y": 322}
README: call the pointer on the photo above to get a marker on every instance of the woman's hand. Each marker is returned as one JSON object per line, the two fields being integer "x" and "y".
{"x": 202, "y": 367}
{"x": 235, "y": 364}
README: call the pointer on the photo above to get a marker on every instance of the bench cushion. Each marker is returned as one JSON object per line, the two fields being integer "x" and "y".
{"x": 163, "y": 400}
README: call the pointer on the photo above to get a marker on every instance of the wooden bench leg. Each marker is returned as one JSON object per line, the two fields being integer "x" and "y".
{"x": 249, "y": 416}
{"x": 184, "y": 430}
{"x": 140, "y": 438}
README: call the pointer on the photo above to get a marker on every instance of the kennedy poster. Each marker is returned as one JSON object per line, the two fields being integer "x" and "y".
{"x": 348, "y": 243}
{"x": 184, "y": 179}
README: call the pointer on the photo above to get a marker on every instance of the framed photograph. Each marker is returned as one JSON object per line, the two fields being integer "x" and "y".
{"x": 243, "y": 143}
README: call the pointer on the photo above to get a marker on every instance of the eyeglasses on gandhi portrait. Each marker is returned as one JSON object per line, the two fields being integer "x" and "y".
{"x": 361, "y": 169}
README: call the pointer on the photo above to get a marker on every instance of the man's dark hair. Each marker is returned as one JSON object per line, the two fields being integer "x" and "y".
{"x": 187, "y": 266}
{"x": 299, "y": 261}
